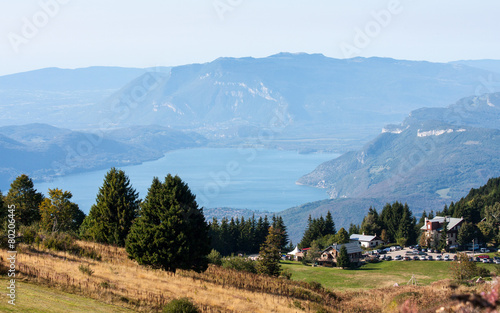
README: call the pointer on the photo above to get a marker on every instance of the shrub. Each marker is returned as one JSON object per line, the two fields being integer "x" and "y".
{"x": 286, "y": 273}
{"x": 239, "y": 263}
{"x": 85, "y": 269}
{"x": 315, "y": 285}
{"x": 29, "y": 234}
{"x": 214, "y": 257}
{"x": 182, "y": 305}
{"x": 60, "y": 242}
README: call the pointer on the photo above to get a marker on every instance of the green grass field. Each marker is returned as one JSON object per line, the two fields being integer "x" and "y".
{"x": 373, "y": 275}
{"x": 31, "y": 298}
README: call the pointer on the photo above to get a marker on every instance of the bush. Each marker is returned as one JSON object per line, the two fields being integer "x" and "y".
{"x": 239, "y": 263}
{"x": 60, "y": 242}
{"x": 29, "y": 234}
{"x": 85, "y": 269}
{"x": 214, "y": 257}
{"x": 286, "y": 273}
{"x": 183, "y": 305}
{"x": 315, "y": 285}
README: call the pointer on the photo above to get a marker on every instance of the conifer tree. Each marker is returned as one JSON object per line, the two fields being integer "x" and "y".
{"x": 342, "y": 236}
{"x": 280, "y": 225}
{"x": 117, "y": 205}
{"x": 443, "y": 238}
{"x": 170, "y": 232}
{"x": 269, "y": 261}
{"x": 329, "y": 225}
{"x": 3, "y": 211}
{"x": 27, "y": 200}
{"x": 343, "y": 260}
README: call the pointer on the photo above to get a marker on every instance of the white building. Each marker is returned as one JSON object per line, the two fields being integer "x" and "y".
{"x": 366, "y": 241}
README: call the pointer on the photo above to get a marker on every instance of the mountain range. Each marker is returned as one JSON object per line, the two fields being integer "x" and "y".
{"x": 435, "y": 156}
{"x": 292, "y": 101}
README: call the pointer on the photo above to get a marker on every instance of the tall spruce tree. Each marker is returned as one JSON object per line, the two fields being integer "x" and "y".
{"x": 27, "y": 200}
{"x": 116, "y": 207}
{"x": 280, "y": 225}
{"x": 269, "y": 261}
{"x": 170, "y": 232}
{"x": 329, "y": 225}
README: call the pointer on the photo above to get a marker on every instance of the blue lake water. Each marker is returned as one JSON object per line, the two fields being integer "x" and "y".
{"x": 257, "y": 179}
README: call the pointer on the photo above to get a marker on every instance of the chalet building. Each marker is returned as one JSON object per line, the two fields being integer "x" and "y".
{"x": 433, "y": 228}
{"x": 329, "y": 255}
{"x": 366, "y": 241}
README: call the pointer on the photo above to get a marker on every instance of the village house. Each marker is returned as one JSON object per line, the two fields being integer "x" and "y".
{"x": 329, "y": 255}
{"x": 433, "y": 228}
{"x": 366, "y": 241}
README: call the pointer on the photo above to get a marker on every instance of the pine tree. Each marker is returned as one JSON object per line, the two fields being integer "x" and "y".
{"x": 443, "y": 238}
{"x": 329, "y": 225}
{"x": 342, "y": 236}
{"x": 59, "y": 213}
{"x": 3, "y": 211}
{"x": 280, "y": 225}
{"x": 170, "y": 232}
{"x": 270, "y": 256}
{"x": 27, "y": 200}
{"x": 343, "y": 260}
{"x": 353, "y": 229}
{"x": 371, "y": 223}
{"x": 117, "y": 205}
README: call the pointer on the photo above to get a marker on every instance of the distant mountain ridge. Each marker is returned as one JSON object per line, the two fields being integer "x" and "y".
{"x": 299, "y": 101}
{"x": 294, "y": 95}
{"x": 43, "y": 151}
{"x": 433, "y": 153}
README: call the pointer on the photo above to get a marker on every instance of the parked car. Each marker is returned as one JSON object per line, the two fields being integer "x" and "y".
{"x": 483, "y": 256}
{"x": 430, "y": 258}
{"x": 486, "y": 260}
{"x": 416, "y": 258}
{"x": 421, "y": 253}
{"x": 477, "y": 259}
{"x": 398, "y": 257}
{"x": 446, "y": 258}
{"x": 406, "y": 258}
{"x": 484, "y": 250}
{"x": 439, "y": 257}
{"x": 497, "y": 261}
{"x": 388, "y": 258}
{"x": 423, "y": 258}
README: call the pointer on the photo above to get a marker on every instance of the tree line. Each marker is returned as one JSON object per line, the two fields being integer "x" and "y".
{"x": 245, "y": 236}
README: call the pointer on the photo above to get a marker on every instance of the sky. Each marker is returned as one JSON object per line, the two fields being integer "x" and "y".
{"x": 147, "y": 33}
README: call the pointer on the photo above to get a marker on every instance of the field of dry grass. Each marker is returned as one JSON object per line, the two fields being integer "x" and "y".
{"x": 120, "y": 281}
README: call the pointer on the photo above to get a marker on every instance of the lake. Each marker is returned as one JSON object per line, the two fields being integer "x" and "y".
{"x": 256, "y": 179}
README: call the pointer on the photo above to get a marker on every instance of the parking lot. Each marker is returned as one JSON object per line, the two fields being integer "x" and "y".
{"x": 435, "y": 256}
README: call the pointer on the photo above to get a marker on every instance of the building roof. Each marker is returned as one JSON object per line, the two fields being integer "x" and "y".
{"x": 295, "y": 251}
{"x": 452, "y": 221}
{"x": 351, "y": 247}
{"x": 367, "y": 238}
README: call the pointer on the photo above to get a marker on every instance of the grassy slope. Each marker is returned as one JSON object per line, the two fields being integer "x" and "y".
{"x": 383, "y": 274}
{"x": 39, "y": 299}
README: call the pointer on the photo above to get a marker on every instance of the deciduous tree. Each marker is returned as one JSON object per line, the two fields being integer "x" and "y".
{"x": 59, "y": 213}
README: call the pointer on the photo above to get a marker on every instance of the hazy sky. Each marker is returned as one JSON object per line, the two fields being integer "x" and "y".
{"x": 81, "y": 33}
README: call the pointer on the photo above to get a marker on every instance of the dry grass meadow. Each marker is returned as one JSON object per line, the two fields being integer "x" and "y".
{"x": 118, "y": 281}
